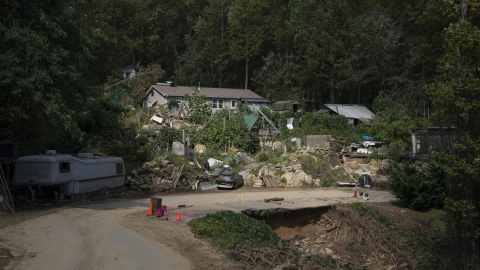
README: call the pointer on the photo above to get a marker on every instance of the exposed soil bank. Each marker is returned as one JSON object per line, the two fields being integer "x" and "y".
{"x": 293, "y": 224}
{"x": 338, "y": 233}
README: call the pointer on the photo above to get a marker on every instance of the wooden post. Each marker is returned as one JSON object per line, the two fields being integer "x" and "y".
{"x": 183, "y": 135}
{"x": 139, "y": 124}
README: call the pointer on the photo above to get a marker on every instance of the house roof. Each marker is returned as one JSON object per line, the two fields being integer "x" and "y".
{"x": 351, "y": 111}
{"x": 180, "y": 91}
{"x": 283, "y": 105}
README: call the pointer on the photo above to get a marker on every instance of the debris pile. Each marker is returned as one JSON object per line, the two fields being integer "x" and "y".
{"x": 287, "y": 175}
{"x": 157, "y": 176}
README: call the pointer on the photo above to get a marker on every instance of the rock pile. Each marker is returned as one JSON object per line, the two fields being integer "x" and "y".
{"x": 292, "y": 172}
{"x": 313, "y": 150}
{"x": 156, "y": 176}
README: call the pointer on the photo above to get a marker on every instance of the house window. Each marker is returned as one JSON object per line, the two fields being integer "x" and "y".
{"x": 234, "y": 103}
{"x": 64, "y": 167}
{"x": 179, "y": 100}
{"x": 214, "y": 103}
{"x": 152, "y": 93}
{"x": 119, "y": 168}
{"x": 220, "y": 103}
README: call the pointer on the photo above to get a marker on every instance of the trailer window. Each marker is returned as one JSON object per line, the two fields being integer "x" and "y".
{"x": 119, "y": 168}
{"x": 64, "y": 167}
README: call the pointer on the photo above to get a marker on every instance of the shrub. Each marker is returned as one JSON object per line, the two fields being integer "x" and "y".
{"x": 283, "y": 180}
{"x": 326, "y": 183}
{"x": 213, "y": 135}
{"x": 230, "y": 228}
{"x": 417, "y": 188}
{"x": 172, "y": 103}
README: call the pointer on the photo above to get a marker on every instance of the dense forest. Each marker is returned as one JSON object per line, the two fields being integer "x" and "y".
{"x": 403, "y": 59}
{"x": 58, "y": 57}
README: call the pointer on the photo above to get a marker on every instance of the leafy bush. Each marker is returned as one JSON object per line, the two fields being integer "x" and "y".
{"x": 283, "y": 180}
{"x": 230, "y": 228}
{"x": 133, "y": 150}
{"x": 166, "y": 136}
{"x": 213, "y": 135}
{"x": 198, "y": 109}
{"x": 172, "y": 103}
{"x": 428, "y": 251}
{"x": 326, "y": 183}
{"x": 417, "y": 188}
{"x": 396, "y": 127}
{"x": 261, "y": 156}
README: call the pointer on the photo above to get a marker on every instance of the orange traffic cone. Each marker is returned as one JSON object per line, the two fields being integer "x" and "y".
{"x": 150, "y": 210}
{"x": 179, "y": 217}
{"x": 355, "y": 194}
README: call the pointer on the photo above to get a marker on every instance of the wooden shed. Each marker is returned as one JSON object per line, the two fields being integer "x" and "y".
{"x": 424, "y": 142}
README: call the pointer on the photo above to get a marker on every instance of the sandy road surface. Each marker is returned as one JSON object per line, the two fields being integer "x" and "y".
{"x": 118, "y": 235}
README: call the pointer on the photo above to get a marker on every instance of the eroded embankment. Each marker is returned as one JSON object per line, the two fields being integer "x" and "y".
{"x": 336, "y": 232}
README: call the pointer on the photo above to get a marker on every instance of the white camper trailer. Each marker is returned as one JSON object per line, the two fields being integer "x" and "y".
{"x": 74, "y": 175}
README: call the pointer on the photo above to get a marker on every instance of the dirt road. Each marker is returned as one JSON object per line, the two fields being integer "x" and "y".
{"x": 118, "y": 235}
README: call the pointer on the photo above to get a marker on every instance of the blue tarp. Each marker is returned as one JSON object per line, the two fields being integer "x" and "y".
{"x": 367, "y": 138}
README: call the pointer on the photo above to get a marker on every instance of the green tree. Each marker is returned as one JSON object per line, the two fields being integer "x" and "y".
{"x": 456, "y": 95}
{"x": 246, "y": 30}
{"x": 49, "y": 55}
{"x": 198, "y": 109}
{"x": 275, "y": 79}
{"x": 417, "y": 187}
{"x": 396, "y": 126}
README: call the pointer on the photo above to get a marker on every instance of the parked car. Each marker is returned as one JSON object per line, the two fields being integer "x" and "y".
{"x": 229, "y": 179}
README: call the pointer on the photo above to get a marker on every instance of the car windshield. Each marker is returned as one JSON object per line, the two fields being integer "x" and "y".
{"x": 224, "y": 177}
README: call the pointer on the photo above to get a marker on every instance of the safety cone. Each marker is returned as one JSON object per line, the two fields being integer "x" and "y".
{"x": 355, "y": 194}
{"x": 179, "y": 217}
{"x": 150, "y": 210}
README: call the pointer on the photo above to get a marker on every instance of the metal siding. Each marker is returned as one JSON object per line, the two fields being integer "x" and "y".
{"x": 351, "y": 111}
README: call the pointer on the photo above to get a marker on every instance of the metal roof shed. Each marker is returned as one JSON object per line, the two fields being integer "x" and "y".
{"x": 352, "y": 111}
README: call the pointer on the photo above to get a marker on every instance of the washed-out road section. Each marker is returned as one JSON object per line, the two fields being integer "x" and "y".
{"x": 119, "y": 235}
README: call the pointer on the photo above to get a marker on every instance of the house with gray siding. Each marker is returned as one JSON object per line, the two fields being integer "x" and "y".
{"x": 219, "y": 98}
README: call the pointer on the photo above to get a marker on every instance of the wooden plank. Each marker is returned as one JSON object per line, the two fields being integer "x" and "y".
{"x": 6, "y": 190}
{"x": 177, "y": 176}
{"x": 266, "y": 118}
{"x": 5, "y": 203}
{"x": 269, "y": 182}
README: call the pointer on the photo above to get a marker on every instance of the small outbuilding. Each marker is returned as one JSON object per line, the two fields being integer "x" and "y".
{"x": 354, "y": 113}
{"x": 433, "y": 139}
{"x": 286, "y": 106}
